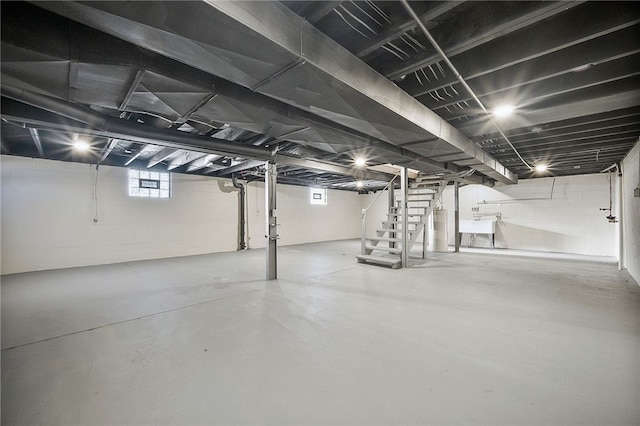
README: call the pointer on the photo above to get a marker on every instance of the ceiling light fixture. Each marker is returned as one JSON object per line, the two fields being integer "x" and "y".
{"x": 503, "y": 111}
{"x": 541, "y": 168}
{"x": 81, "y": 145}
{"x": 359, "y": 184}
{"x": 360, "y": 162}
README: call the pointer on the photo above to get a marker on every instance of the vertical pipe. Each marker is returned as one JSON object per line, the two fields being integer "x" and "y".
{"x": 456, "y": 218}
{"x": 391, "y": 201}
{"x": 241, "y": 213}
{"x": 621, "y": 263}
{"x": 404, "y": 212}
{"x": 270, "y": 212}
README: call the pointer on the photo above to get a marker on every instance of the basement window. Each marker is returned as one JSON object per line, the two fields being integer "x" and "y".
{"x": 143, "y": 183}
{"x": 318, "y": 196}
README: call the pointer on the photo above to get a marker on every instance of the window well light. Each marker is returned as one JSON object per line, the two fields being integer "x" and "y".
{"x": 503, "y": 111}
{"x": 360, "y": 161}
{"x": 541, "y": 168}
{"x": 81, "y": 145}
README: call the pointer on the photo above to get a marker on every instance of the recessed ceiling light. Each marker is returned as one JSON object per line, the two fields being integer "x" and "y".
{"x": 360, "y": 161}
{"x": 81, "y": 145}
{"x": 541, "y": 167}
{"x": 503, "y": 111}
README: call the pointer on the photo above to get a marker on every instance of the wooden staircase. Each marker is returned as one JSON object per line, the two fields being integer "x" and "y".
{"x": 422, "y": 195}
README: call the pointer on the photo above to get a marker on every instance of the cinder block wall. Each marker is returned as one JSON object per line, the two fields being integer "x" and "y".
{"x": 631, "y": 240}
{"x": 48, "y": 210}
{"x": 547, "y": 214}
{"x": 299, "y": 221}
{"x": 532, "y": 218}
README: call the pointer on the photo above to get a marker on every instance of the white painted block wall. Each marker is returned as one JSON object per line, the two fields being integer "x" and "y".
{"x": 631, "y": 240}
{"x": 299, "y": 220}
{"x": 570, "y": 222}
{"x": 532, "y": 218}
{"x": 48, "y": 215}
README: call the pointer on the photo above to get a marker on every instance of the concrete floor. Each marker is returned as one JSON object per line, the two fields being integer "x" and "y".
{"x": 468, "y": 338}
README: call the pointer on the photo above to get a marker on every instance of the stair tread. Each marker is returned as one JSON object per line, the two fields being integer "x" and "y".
{"x": 397, "y": 222}
{"x": 395, "y": 230}
{"x": 391, "y": 239}
{"x": 388, "y": 249}
{"x": 387, "y": 261}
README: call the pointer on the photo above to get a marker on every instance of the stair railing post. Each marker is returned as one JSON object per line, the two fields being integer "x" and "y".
{"x": 363, "y": 233}
{"x": 456, "y": 217}
{"x": 363, "y": 224}
{"x": 404, "y": 183}
{"x": 391, "y": 203}
{"x": 425, "y": 238}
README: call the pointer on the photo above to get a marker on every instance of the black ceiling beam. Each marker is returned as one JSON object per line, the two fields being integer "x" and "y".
{"x": 607, "y": 120}
{"x": 565, "y": 138}
{"x": 504, "y": 75}
{"x": 321, "y": 10}
{"x": 394, "y": 72}
{"x": 566, "y": 111}
{"x": 393, "y": 33}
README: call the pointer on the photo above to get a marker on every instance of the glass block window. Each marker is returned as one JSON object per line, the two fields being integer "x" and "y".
{"x": 143, "y": 183}
{"x": 318, "y": 196}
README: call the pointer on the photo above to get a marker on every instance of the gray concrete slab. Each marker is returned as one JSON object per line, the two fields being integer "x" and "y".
{"x": 467, "y": 338}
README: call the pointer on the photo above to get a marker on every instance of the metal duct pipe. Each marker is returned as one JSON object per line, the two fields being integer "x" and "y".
{"x": 241, "y": 208}
{"x": 123, "y": 129}
{"x": 57, "y": 106}
{"x": 462, "y": 81}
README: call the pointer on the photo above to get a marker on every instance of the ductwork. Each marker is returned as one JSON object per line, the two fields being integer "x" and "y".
{"x": 275, "y": 52}
{"x": 96, "y": 124}
{"x": 123, "y": 129}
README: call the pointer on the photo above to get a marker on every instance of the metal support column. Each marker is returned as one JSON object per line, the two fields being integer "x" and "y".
{"x": 271, "y": 225}
{"x": 425, "y": 239}
{"x": 404, "y": 184}
{"x": 392, "y": 203}
{"x": 620, "y": 224}
{"x": 456, "y": 219}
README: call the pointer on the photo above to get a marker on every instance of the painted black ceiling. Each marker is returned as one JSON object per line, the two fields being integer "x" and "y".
{"x": 216, "y": 88}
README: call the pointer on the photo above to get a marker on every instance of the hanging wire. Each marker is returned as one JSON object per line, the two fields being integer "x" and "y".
{"x": 409, "y": 44}
{"x": 364, "y": 24}
{"x": 361, "y": 10}
{"x": 446, "y": 93}
{"x": 418, "y": 77}
{"x": 393, "y": 52}
{"x": 425, "y": 75}
{"x": 379, "y": 11}
{"x": 454, "y": 90}
{"x": 433, "y": 72}
{"x": 398, "y": 49}
{"x": 349, "y": 24}
{"x": 441, "y": 69}
{"x": 410, "y": 37}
